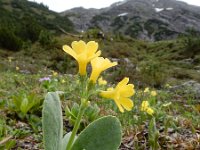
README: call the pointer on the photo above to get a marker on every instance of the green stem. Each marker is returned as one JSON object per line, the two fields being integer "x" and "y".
{"x": 83, "y": 80}
{"x": 76, "y": 126}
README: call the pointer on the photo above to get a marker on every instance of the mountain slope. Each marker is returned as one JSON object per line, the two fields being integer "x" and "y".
{"x": 143, "y": 19}
{"x": 18, "y": 10}
{"x": 21, "y": 21}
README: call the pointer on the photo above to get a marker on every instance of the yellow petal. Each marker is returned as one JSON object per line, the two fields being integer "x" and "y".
{"x": 97, "y": 54}
{"x": 79, "y": 47}
{"x": 127, "y": 103}
{"x": 121, "y": 109}
{"x": 94, "y": 76}
{"x": 146, "y": 90}
{"x": 144, "y": 105}
{"x": 82, "y": 67}
{"x": 127, "y": 90}
{"x": 153, "y": 93}
{"x": 101, "y": 81}
{"x": 92, "y": 47}
{"x": 108, "y": 64}
{"x": 68, "y": 50}
{"x": 150, "y": 111}
{"x": 123, "y": 82}
{"x": 108, "y": 94}
{"x": 99, "y": 64}
{"x": 96, "y": 62}
{"x": 82, "y": 61}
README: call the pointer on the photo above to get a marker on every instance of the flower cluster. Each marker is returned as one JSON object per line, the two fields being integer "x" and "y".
{"x": 147, "y": 91}
{"x": 146, "y": 108}
{"x": 85, "y": 53}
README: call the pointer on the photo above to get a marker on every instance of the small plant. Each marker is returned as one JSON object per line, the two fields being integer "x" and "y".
{"x": 91, "y": 114}
{"x": 9, "y": 40}
{"x": 6, "y": 141}
{"x": 45, "y": 38}
{"x": 97, "y": 135}
{"x": 49, "y": 84}
{"x": 191, "y": 42}
{"x": 153, "y": 72}
{"x": 153, "y": 135}
{"x": 23, "y": 104}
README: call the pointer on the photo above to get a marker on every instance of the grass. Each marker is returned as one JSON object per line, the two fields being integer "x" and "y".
{"x": 177, "y": 115}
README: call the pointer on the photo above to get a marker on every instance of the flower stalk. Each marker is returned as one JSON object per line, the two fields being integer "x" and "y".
{"x": 83, "y": 106}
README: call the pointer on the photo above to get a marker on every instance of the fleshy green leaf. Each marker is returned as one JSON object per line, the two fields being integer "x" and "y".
{"x": 102, "y": 134}
{"x": 52, "y": 122}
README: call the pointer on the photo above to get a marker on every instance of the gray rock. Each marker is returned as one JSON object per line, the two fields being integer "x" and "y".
{"x": 144, "y": 19}
{"x": 188, "y": 61}
{"x": 197, "y": 68}
{"x": 189, "y": 87}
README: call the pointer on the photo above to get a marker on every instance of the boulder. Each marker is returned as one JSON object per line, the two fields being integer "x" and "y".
{"x": 190, "y": 87}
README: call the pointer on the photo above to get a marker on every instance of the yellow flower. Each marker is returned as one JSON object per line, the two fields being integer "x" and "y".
{"x": 168, "y": 86}
{"x": 153, "y": 93}
{"x": 63, "y": 81}
{"x": 54, "y": 73}
{"x": 83, "y": 53}
{"x": 102, "y": 81}
{"x": 145, "y": 107}
{"x": 100, "y": 64}
{"x": 146, "y": 90}
{"x": 10, "y": 59}
{"x": 150, "y": 111}
{"x": 120, "y": 94}
{"x": 17, "y": 68}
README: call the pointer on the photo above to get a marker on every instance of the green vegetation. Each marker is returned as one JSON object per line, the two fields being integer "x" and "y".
{"x": 134, "y": 30}
{"x": 33, "y": 63}
{"x": 22, "y": 21}
{"x": 97, "y": 18}
{"x": 148, "y": 64}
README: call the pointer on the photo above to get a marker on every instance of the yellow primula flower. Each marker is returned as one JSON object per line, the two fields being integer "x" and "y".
{"x": 101, "y": 81}
{"x": 145, "y": 107}
{"x": 121, "y": 94}
{"x": 83, "y": 53}
{"x": 10, "y": 59}
{"x": 54, "y": 73}
{"x": 17, "y": 68}
{"x": 153, "y": 93}
{"x": 100, "y": 64}
{"x": 63, "y": 81}
{"x": 150, "y": 111}
{"x": 146, "y": 90}
{"x": 168, "y": 86}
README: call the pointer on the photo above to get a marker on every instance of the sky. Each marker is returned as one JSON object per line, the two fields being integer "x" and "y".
{"x": 62, "y": 5}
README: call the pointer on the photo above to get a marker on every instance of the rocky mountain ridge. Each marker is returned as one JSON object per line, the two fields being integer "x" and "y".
{"x": 144, "y": 19}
